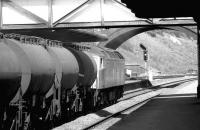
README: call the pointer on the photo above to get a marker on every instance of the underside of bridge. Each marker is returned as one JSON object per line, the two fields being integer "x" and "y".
{"x": 123, "y": 34}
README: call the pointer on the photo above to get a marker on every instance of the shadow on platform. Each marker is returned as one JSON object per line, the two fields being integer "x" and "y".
{"x": 174, "y": 112}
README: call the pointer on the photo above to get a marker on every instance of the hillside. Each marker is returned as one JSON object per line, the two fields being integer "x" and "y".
{"x": 169, "y": 51}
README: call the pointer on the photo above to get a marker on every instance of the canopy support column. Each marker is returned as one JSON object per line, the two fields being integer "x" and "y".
{"x": 198, "y": 55}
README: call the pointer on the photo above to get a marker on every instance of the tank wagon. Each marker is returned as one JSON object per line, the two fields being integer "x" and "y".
{"x": 42, "y": 81}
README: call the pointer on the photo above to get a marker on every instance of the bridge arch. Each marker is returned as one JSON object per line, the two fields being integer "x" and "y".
{"x": 123, "y": 34}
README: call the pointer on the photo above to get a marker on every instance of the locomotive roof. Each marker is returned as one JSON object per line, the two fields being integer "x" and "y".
{"x": 106, "y": 52}
{"x": 98, "y": 50}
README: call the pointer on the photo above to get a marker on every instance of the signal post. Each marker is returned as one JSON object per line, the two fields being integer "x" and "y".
{"x": 145, "y": 54}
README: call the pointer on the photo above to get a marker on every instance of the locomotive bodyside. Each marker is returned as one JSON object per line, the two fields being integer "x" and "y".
{"x": 110, "y": 69}
{"x": 111, "y": 72}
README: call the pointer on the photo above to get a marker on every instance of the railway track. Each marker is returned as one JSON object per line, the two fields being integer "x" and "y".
{"x": 140, "y": 91}
{"x": 143, "y": 91}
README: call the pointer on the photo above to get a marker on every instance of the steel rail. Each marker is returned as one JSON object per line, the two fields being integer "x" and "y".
{"x": 160, "y": 85}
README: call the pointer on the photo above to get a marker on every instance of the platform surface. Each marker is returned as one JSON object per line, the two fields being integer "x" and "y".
{"x": 176, "y": 109}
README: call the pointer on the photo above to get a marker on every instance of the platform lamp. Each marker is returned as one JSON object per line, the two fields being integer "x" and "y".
{"x": 145, "y": 54}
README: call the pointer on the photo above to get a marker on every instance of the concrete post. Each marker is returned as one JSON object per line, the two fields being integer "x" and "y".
{"x": 197, "y": 20}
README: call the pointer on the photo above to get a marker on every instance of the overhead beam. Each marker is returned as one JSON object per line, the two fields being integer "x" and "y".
{"x": 107, "y": 24}
{"x": 24, "y": 12}
{"x": 72, "y": 12}
{"x": 92, "y": 25}
{"x": 23, "y": 26}
{"x": 120, "y": 24}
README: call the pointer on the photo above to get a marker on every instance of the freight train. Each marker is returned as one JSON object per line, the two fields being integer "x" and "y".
{"x": 45, "y": 83}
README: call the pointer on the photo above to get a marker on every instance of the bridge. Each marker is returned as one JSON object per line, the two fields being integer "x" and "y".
{"x": 56, "y": 17}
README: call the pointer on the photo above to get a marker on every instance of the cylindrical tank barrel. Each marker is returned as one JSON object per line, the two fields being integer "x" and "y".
{"x": 87, "y": 67}
{"x": 10, "y": 73}
{"x": 66, "y": 66}
{"x": 37, "y": 67}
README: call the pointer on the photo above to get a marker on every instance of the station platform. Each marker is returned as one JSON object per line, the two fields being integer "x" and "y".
{"x": 175, "y": 109}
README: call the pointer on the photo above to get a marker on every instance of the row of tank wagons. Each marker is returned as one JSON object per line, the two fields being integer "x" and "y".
{"x": 43, "y": 82}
